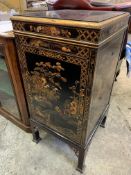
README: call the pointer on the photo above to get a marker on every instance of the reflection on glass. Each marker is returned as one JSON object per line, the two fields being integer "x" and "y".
{"x": 7, "y": 98}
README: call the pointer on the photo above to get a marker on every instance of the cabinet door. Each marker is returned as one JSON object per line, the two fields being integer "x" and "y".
{"x": 55, "y": 84}
{"x": 54, "y": 87}
{"x": 7, "y": 97}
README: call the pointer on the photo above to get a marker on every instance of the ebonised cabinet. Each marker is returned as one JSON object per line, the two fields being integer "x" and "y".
{"x": 68, "y": 61}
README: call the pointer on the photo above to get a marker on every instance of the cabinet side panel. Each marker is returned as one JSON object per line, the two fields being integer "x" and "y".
{"x": 106, "y": 63}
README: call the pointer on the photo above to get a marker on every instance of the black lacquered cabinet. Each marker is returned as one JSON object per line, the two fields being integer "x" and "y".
{"x": 68, "y": 61}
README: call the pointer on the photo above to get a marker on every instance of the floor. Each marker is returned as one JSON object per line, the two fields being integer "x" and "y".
{"x": 109, "y": 153}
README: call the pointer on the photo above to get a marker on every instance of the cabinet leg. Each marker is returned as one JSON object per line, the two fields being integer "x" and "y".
{"x": 35, "y": 133}
{"x": 81, "y": 160}
{"x": 103, "y": 122}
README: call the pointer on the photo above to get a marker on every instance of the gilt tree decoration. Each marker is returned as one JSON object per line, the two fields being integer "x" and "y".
{"x": 47, "y": 89}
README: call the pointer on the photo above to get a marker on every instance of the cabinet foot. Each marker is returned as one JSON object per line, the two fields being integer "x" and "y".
{"x": 81, "y": 160}
{"x": 103, "y": 122}
{"x": 36, "y": 137}
{"x": 35, "y": 133}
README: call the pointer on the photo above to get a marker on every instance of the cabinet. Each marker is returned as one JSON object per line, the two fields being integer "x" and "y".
{"x": 68, "y": 62}
{"x": 12, "y": 98}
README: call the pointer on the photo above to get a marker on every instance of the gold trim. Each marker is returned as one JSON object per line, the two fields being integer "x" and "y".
{"x": 72, "y": 23}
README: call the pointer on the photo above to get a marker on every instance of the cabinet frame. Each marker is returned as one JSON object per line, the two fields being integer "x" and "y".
{"x": 10, "y": 56}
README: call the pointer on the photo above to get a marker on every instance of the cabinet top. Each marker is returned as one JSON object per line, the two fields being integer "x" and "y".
{"x": 83, "y": 18}
{"x": 75, "y": 15}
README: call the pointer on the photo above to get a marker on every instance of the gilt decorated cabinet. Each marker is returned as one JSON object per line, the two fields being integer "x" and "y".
{"x": 68, "y": 62}
{"x": 12, "y": 97}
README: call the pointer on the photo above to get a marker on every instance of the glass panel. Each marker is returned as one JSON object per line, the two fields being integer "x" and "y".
{"x": 7, "y": 98}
